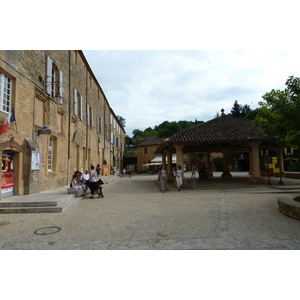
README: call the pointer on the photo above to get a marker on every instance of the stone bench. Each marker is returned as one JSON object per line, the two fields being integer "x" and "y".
{"x": 289, "y": 207}
{"x": 71, "y": 190}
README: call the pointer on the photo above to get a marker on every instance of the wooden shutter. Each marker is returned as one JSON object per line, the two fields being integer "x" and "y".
{"x": 48, "y": 75}
{"x": 80, "y": 107}
{"x": 88, "y": 115}
{"x": 75, "y": 102}
{"x": 60, "y": 83}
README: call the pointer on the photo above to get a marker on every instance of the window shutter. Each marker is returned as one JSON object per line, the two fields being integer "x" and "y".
{"x": 88, "y": 114}
{"x": 60, "y": 83}
{"x": 80, "y": 107}
{"x": 48, "y": 75}
{"x": 75, "y": 102}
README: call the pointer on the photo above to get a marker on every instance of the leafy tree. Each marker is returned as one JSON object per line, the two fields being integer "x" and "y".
{"x": 278, "y": 114}
{"x": 165, "y": 129}
{"x": 239, "y": 110}
{"x": 122, "y": 121}
{"x": 137, "y": 133}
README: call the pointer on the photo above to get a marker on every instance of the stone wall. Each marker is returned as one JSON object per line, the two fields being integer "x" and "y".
{"x": 76, "y": 144}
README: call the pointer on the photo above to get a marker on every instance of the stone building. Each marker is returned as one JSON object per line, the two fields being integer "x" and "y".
{"x": 145, "y": 153}
{"x": 224, "y": 134}
{"x": 63, "y": 121}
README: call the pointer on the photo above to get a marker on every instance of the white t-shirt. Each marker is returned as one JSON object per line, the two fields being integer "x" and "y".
{"x": 94, "y": 176}
{"x": 86, "y": 176}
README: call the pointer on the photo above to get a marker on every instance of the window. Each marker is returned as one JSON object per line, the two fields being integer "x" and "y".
{"x": 77, "y": 109}
{"x": 90, "y": 78}
{"x": 53, "y": 78}
{"x": 89, "y": 116}
{"x": 98, "y": 124}
{"x": 5, "y": 92}
{"x": 112, "y": 138}
{"x": 54, "y": 87}
{"x": 75, "y": 58}
{"x": 145, "y": 150}
{"x": 288, "y": 151}
{"x": 50, "y": 154}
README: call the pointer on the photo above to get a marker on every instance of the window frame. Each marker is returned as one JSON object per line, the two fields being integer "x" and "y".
{"x": 50, "y": 154}
{"x": 6, "y": 88}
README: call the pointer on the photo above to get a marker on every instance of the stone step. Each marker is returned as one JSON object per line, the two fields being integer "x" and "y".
{"x": 28, "y": 204}
{"x": 16, "y": 206}
{"x": 23, "y": 210}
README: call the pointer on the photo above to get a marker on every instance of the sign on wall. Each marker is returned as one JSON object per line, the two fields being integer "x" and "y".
{"x": 35, "y": 160}
{"x": 105, "y": 170}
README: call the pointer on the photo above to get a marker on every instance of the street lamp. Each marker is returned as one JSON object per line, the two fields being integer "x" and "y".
{"x": 57, "y": 98}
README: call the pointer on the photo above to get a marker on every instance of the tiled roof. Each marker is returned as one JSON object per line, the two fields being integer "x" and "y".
{"x": 221, "y": 129}
{"x": 152, "y": 141}
{"x": 211, "y": 134}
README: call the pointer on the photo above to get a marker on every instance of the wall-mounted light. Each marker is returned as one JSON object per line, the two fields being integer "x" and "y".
{"x": 44, "y": 130}
{"x": 57, "y": 98}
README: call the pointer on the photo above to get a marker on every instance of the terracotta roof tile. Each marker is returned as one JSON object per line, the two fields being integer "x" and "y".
{"x": 221, "y": 130}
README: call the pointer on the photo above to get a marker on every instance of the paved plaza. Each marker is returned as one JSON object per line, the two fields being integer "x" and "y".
{"x": 134, "y": 214}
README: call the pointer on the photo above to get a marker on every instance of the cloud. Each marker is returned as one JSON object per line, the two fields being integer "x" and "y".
{"x": 149, "y": 87}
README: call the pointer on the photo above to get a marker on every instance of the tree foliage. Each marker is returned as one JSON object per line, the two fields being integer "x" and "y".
{"x": 122, "y": 121}
{"x": 239, "y": 111}
{"x": 164, "y": 129}
{"x": 278, "y": 114}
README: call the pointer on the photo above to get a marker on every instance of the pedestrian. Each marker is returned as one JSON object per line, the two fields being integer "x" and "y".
{"x": 76, "y": 184}
{"x": 98, "y": 170}
{"x": 93, "y": 180}
{"x": 82, "y": 183}
{"x": 129, "y": 170}
{"x": 162, "y": 177}
{"x": 266, "y": 169}
{"x": 179, "y": 175}
{"x": 86, "y": 179}
{"x": 209, "y": 171}
{"x": 193, "y": 171}
{"x": 124, "y": 171}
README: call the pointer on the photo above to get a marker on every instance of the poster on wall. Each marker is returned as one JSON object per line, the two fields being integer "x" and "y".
{"x": 105, "y": 170}
{"x": 35, "y": 160}
{"x": 7, "y": 183}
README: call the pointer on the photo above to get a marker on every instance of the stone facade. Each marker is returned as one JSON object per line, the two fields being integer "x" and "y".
{"x": 145, "y": 153}
{"x": 70, "y": 135}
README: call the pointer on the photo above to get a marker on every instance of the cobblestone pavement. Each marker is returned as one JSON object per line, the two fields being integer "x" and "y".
{"x": 134, "y": 214}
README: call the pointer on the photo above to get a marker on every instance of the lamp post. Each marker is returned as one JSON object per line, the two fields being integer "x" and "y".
{"x": 57, "y": 98}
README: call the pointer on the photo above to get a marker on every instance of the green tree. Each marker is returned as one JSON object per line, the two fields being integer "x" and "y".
{"x": 122, "y": 121}
{"x": 239, "y": 110}
{"x": 278, "y": 114}
{"x": 137, "y": 133}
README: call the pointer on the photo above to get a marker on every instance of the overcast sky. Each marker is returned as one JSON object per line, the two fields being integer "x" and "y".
{"x": 149, "y": 87}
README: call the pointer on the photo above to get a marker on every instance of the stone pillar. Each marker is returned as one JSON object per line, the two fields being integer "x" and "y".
{"x": 226, "y": 174}
{"x": 208, "y": 166}
{"x": 179, "y": 155}
{"x": 255, "y": 166}
{"x": 169, "y": 166}
{"x": 163, "y": 161}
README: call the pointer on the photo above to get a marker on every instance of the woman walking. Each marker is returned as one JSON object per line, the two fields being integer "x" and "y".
{"x": 162, "y": 177}
{"x": 179, "y": 175}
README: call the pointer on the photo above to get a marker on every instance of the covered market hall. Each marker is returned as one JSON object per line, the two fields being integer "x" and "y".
{"x": 224, "y": 134}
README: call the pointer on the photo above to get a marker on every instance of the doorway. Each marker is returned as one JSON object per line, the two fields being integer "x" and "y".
{"x": 7, "y": 183}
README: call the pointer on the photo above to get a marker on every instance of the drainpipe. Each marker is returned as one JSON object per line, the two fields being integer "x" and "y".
{"x": 87, "y": 127}
{"x": 69, "y": 121}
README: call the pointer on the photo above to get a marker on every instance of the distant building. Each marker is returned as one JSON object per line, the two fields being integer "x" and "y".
{"x": 145, "y": 153}
{"x": 63, "y": 121}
